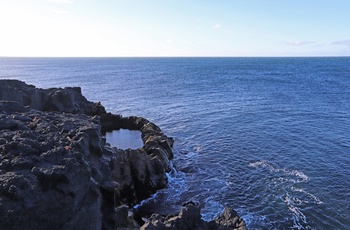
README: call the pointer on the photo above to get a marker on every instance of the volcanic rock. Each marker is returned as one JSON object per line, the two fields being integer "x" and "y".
{"x": 58, "y": 172}
{"x": 189, "y": 217}
{"x": 69, "y": 99}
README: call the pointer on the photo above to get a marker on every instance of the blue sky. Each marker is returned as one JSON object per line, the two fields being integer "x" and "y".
{"x": 107, "y": 28}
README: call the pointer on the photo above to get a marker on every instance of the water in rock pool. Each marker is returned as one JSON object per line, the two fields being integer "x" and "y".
{"x": 268, "y": 137}
{"x": 124, "y": 139}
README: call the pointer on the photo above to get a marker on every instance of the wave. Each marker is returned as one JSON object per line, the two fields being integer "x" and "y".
{"x": 283, "y": 181}
{"x": 212, "y": 209}
{"x": 176, "y": 185}
{"x": 314, "y": 199}
{"x": 300, "y": 176}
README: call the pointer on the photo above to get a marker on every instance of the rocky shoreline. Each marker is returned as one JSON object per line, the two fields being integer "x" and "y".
{"x": 58, "y": 172}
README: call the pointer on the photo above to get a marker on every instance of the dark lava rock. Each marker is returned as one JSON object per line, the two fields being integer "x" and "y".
{"x": 189, "y": 217}
{"x": 68, "y": 100}
{"x": 57, "y": 171}
{"x": 229, "y": 219}
{"x": 49, "y": 179}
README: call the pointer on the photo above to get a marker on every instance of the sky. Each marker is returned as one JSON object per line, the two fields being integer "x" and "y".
{"x": 142, "y": 28}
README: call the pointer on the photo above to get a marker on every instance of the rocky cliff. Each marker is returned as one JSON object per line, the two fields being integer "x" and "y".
{"x": 58, "y": 172}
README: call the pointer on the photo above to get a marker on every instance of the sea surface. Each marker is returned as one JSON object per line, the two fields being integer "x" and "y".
{"x": 269, "y": 137}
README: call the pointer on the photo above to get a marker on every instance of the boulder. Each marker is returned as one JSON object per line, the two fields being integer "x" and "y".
{"x": 230, "y": 219}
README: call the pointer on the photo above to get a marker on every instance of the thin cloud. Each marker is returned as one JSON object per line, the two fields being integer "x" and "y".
{"x": 342, "y": 42}
{"x": 298, "y": 43}
{"x": 216, "y": 26}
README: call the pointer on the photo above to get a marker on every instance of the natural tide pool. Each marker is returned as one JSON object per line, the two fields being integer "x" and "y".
{"x": 124, "y": 139}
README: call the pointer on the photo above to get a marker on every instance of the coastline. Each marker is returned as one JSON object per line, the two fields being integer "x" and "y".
{"x": 53, "y": 149}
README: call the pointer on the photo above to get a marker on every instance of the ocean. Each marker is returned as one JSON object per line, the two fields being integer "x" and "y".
{"x": 268, "y": 137}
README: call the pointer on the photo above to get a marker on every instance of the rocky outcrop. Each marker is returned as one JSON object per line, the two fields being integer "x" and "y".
{"x": 190, "y": 218}
{"x": 59, "y": 163}
{"x": 69, "y": 99}
{"x": 58, "y": 172}
{"x": 148, "y": 165}
{"x": 51, "y": 172}
{"x": 230, "y": 219}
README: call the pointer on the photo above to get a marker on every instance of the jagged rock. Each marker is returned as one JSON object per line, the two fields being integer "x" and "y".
{"x": 58, "y": 172}
{"x": 189, "y": 217}
{"x": 146, "y": 169}
{"x": 122, "y": 216}
{"x": 61, "y": 157}
{"x": 56, "y": 169}
{"x": 68, "y": 100}
{"x": 229, "y": 219}
{"x": 47, "y": 178}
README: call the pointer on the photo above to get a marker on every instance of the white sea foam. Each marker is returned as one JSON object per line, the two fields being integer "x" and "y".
{"x": 301, "y": 177}
{"x": 285, "y": 178}
{"x": 212, "y": 209}
{"x": 176, "y": 185}
{"x": 250, "y": 217}
{"x": 198, "y": 148}
{"x": 146, "y": 200}
{"x": 312, "y": 196}
{"x": 298, "y": 216}
{"x": 263, "y": 164}
{"x": 297, "y": 173}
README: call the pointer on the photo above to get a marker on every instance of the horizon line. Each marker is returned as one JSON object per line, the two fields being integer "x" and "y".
{"x": 296, "y": 56}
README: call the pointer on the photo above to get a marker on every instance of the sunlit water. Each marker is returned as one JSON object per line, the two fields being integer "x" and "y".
{"x": 268, "y": 137}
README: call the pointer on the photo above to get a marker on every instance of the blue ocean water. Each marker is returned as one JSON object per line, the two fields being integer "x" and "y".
{"x": 268, "y": 137}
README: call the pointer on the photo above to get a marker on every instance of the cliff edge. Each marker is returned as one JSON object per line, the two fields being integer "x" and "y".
{"x": 58, "y": 172}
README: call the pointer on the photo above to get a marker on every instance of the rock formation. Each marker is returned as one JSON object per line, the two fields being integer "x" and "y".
{"x": 58, "y": 172}
{"x": 69, "y": 99}
{"x": 190, "y": 218}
